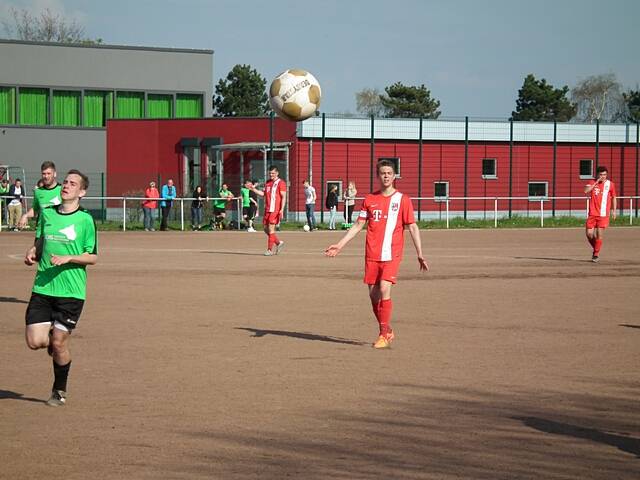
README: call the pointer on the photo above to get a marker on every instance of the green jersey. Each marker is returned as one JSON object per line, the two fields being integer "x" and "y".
{"x": 222, "y": 203}
{"x": 64, "y": 234}
{"x": 46, "y": 197}
{"x": 245, "y": 197}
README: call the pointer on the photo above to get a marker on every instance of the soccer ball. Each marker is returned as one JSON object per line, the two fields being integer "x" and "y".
{"x": 306, "y": 228}
{"x": 295, "y": 95}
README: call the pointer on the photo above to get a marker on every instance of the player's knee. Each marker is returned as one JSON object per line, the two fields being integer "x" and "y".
{"x": 36, "y": 344}
{"x": 58, "y": 345}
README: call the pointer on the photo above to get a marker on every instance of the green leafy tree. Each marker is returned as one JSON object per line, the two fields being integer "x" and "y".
{"x": 242, "y": 94}
{"x": 632, "y": 101}
{"x": 45, "y": 27}
{"x": 540, "y": 101}
{"x": 409, "y": 102}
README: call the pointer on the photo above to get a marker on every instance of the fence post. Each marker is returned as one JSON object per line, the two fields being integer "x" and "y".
{"x": 420, "y": 168}
{"x": 124, "y": 214}
{"x": 495, "y": 213}
{"x": 555, "y": 156}
{"x": 541, "y": 212}
{"x": 104, "y": 211}
{"x": 631, "y": 211}
{"x": 322, "y": 169}
{"x": 182, "y": 214}
{"x": 238, "y": 206}
{"x": 447, "y": 213}
{"x": 466, "y": 161}
{"x": 510, "y": 163}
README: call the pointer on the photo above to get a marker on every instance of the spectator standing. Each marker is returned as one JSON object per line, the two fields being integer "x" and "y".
{"x": 332, "y": 205}
{"x": 245, "y": 193}
{"x": 149, "y": 207}
{"x": 253, "y": 207}
{"x": 310, "y": 204}
{"x": 349, "y": 201}
{"x": 220, "y": 206}
{"x": 16, "y": 191}
{"x": 197, "y": 205}
{"x": 4, "y": 191}
{"x": 168, "y": 195}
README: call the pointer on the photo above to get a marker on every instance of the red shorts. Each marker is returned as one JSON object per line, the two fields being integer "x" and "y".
{"x": 597, "y": 222}
{"x": 375, "y": 271}
{"x": 272, "y": 218}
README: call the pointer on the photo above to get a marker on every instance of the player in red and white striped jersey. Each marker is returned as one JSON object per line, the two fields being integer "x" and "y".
{"x": 275, "y": 198}
{"x": 602, "y": 203}
{"x": 387, "y": 213}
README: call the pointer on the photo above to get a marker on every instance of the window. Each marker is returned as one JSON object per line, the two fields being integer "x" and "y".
{"x": 159, "y": 106}
{"x": 395, "y": 161}
{"x": 337, "y": 183}
{"x": 7, "y": 105}
{"x": 586, "y": 168}
{"x": 489, "y": 168}
{"x": 65, "y": 107}
{"x": 97, "y": 108}
{"x": 130, "y": 105}
{"x": 188, "y": 106}
{"x": 441, "y": 191}
{"x": 538, "y": 190}
{"x": 34, "y": 106}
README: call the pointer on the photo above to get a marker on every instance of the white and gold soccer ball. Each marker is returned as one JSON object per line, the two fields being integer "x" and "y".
{"x": 295, "y": 95}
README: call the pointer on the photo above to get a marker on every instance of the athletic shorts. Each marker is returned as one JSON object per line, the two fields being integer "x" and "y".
{"x": 375, "y": 271}
{"x": 246, "y": 211}
{"x": 61, "y": 310}
{"x": 597, "y": 222}
{"x": 219, "y": 210}
{"x": 271, "y": 218}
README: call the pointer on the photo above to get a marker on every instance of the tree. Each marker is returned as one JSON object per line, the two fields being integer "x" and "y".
{"x": 243, "y": 93}
{"x": 409, "y": 102}
{"x": 369, "y": 102}
{"x": 632, "y": 100}
{"x": 599, "y": 97}
{"x": 45, "y": 27}
{"x": 540, "y": 101}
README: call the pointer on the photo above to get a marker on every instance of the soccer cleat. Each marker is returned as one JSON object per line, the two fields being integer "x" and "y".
{"x": 279, "y": 247}
{"x": 58, "y": 398}
{"x": 384, "y": 341}
{"x": 268, "y": 253}
{"x": 251, "y": 230}
{"x": 595, "y": 259}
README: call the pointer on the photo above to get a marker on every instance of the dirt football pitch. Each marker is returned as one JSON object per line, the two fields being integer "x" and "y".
{"x": 197, "y": 357}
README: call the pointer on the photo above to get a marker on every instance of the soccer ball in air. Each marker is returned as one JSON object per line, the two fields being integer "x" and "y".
{"x": 295, "y": 95}
{"x": 306, "y": 228}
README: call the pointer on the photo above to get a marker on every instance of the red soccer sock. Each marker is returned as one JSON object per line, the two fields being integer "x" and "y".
{"x": 375, "y": 306}
{"x": 270, "y": 241}
{"x": 592, "y": 241}
{"x": 597, "y": 246}
{"x": 384, "y": 316}
{"x": 276, "y": 240}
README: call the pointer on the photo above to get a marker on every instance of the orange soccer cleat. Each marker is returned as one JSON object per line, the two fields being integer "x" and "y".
{"x": 384, "y": 341}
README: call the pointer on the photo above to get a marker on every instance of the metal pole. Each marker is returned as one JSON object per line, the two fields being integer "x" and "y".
{"x": 631, "y": 211}
{"x": 597, "y": 143}
{"x": 310, "y": 175}
{"x": 271, "y": 117}
{"x": 447, "y": 213}
{"x": 510, "y": 163}
{"x": 182, "y": 214}
{"x": 495, "y": 213}
{"x": 419, "y": 168}
{"x": 541, "y": 213}
{"x": 555, "y": 153}
{"x": 372, "y": 147}
{"x": 124, "y": 214}
{"x": 466, "y": 160}
{"x": 102, "y": 209}
{"x": 322, "y": 170}
{"x": 637, "y": 154}
{"x": 239, "y": 208}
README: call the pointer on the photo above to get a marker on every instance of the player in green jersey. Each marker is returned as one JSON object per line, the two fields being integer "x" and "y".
{"x": 45, "y": 196}
{"x": 66, "y": 242}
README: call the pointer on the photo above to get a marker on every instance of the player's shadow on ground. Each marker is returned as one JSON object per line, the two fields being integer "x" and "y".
{"x": 9, "y": 395}
{"x": 258, "y": 333}
{"x": 553, "y": 259}
{"x": 626, "y": 444}
{"x": 12, "y": 300}
{"x": 229, "y": 252}
{"x": 628, "y": 325}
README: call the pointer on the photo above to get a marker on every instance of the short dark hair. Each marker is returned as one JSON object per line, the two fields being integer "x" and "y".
{"x": 273, "y": 167}
{"x": 385, "y": 163}
{"x": 47, "y": 164}
{"x": 601, "y": 169}
{"x": 85, "y": 179}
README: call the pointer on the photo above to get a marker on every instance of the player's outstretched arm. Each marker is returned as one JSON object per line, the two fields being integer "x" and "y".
{"x": 333, "y": 250}
{"x": 614, "y": 207}
{"x": 83, "y": 259}
{"x": 30, "y": 256}
{"x": 257, "y": 192}
{"x": 417, "y": 243}
{"x": 24, "y": 219}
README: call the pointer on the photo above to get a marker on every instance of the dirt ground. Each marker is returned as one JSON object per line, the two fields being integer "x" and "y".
{"x": 197, "y": 357}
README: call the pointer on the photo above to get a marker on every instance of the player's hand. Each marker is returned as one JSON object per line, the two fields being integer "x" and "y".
{"x": 332, "y": 250}
{"x": 30, "y": 256}
{"x": 614, "y": 214}
{"x": 60, "y": 259}
{"x": 424, "y": 266}
{"x": 23, "y": 222}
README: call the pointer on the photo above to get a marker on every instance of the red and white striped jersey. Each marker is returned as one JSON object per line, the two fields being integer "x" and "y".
{"x": 386, "y": 217}
{"x": 600, "y": 200}
{"x": 272, "y": 196}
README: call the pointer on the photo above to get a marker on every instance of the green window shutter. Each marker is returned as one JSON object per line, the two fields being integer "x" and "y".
{"x": 188, "y": 106}
{"x": 159, "y": 106}
{"x": 7, "y": 105}
{"x": 98, "y": 107}
{"x": 34, "y": 106}
{"x": 130, "y": 104}
{"x": 66, "y": 108}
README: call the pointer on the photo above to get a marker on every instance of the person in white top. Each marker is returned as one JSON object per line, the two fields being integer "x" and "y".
{"x": 15, "y": 205}
{"x": 309, "y": 204}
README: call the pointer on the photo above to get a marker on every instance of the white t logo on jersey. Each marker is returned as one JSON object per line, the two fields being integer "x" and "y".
{"x": 69, "y": 232}
{"x": 377, "y": 214}
{"x": 55, "y": 201}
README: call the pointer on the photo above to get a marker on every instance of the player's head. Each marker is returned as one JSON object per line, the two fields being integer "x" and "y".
{"x": 386, "y": 172}
{"x": 48, "y": 172}
{"x": 17, "y": 182}
{"x": 273, "y": 172}
{"x": 305, "y": 183}
{"x": 75, "y": 185}
{"x": 601, "y": 172}
{"x": 247, "y": 183}
{"x": 198, "y": 189}
{"x": 152, "y": 184}
{"x": 224, "y": 187}
{"x": 170, "y": 182}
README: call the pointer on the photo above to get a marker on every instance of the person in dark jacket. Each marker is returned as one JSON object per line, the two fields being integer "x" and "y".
{"x": 332, "y": 204}
{"x": 196, "y": 208}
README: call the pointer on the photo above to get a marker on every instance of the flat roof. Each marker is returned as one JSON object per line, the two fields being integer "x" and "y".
{"x": 106, "y": 46}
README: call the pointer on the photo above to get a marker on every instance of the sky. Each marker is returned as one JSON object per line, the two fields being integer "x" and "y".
{"x": 472, "y": 55}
